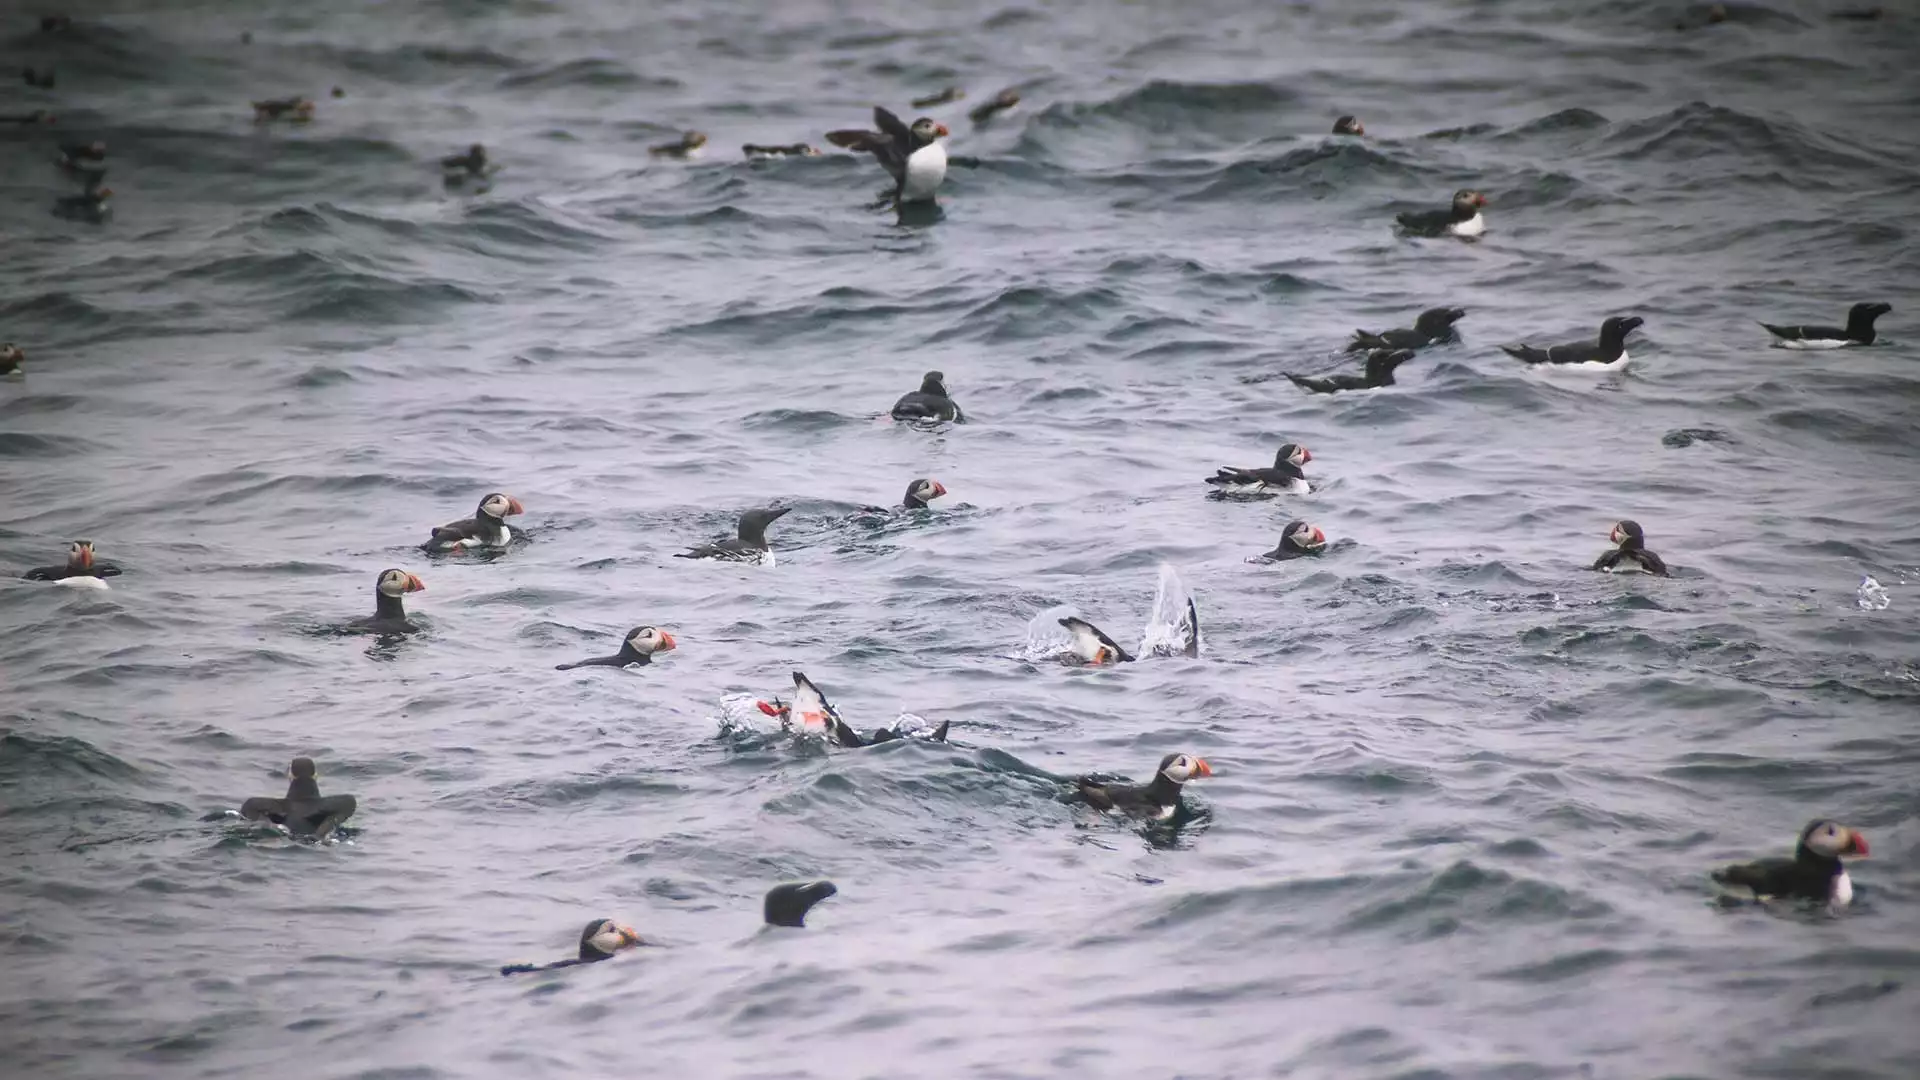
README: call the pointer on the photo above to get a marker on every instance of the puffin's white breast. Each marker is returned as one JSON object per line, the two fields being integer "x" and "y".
{"x": 926, "y": 169}
{"x": 1473, "y": 226}
{"x": 82, "y": 581}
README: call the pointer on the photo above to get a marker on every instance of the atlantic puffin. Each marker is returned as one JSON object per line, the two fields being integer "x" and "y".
{"x": 1814, "y": 873}
{"x": 1377, "y": 372}
{"x": 1461, "y": 219}
{"x": 930, "y": 402}
{"x": 994, "y": 106}
{"x": 389, "y": 613}
{"x": 1607, "y": 354}
{"x": 1859, "y": 330}
{"x": 814, "y": 714}
{"x": 297, "y": 109}
{"x": 1432, "y": 327}
{"x": 13, "y": 359}
{"x": 799, "y": 149}
{"x": 457, "y": 169}
{"x": 1156, "y": 801}
{"x": 304, "y": 812}
{"x": 749, "y": 546}
{"x": 487, "y": 528}
{"x": 921, "y": 492}
{"x": 80, "y": 569}
{"x": 1349, "y": 125}
{"x": 90, "y": 205}
{"x": 687, "y": 146}
{"x": 1298, "y": 539}
{"x": 1631, "y": 556}
{"x": 913, "y": 155}
{"x": 785, "y": 905}
{"x": 1284, "y": 477}
{"x": 1092, "y": 646}
{"x": 637, "y": 649}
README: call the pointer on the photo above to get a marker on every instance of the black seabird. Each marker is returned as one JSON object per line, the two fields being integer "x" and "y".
{"x": 1631, "y": 556}
{"x": 930, "y": 402}
{"x": 304, "y": 812}
{"x": 90, "y": 205}
{"x": 39, "y": 80}
{"x": 75, "y": 156}
{"x": 1859, "y": 330}
{"x": 1296, "y": 540}
{"x": 749, "y": 546}
{"x": 638, "y": 648}
{"x": 913, "y": 155}
{"x": 784, "y": 905}
{"x": 799, "y": 149}
{"x": 1461, "y": 219}
{"x": 1284, "y": 476}
{"x": 13, "y": 359}
{"x": 1349, "y": 125}
{"x": 486, "y": 528}
{"x": 814, "y": 714}
{"x": 80, "y": 565}
{"x": 999, "y": 103}
{"x": 950, "y": 94}
{"x": 1610, "y": 352}
{"x": 1814, "y": 873}
{"x": 37, "y": 116}
{"x": 1378, "y": 372}
{"x": 1433, "y": 326}
{"x": 921, "y": 492}
{"x": 686, "y": 146}
{"x": 297, "y": 109}
{"x": 1157, "y": 801}
{"x": 459, "y": 167}
{"x": 389, "y": 613}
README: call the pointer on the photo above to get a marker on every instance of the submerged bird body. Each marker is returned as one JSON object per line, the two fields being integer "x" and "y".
{"x": 1814, "y": 873}
{"x": 304, "y": 812}
{"x": 1858, "y": 331}
{"x": 1155, "y": 801}
{"x": 80, "y": 568}
{"x": 1092, "y": 646}
{"x": 1609, "y": 353}
{"x": 930, "y": 402}
{"x": 1462, "y": 219}
{"x": 755, "y": 150}
{"x": 1433, "y": 326}
{"x": 810, "y": 713}
{"x": 1378, "y": 372}
{"x": 688, "y": 145}
{"x": 1631, "y": 555}
{"x": 912, "y": 155}
{"x": 637, "y": 648}
{"x": 487, "y": 528}
{"x": 1284, "y": 476}
{"x": 750, "y": 545}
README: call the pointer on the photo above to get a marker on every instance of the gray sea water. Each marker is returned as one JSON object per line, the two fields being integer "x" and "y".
{"x": 1466, "y": 793}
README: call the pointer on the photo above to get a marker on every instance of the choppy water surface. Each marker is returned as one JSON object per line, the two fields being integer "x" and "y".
{"x": 1466, "y": 792}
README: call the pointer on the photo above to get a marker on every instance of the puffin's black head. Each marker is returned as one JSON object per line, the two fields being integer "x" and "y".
{"x": 1864, "y": 314}
{"x": 1434, "y": 322}
{"x": 1628, "y": 535}
{"x": 80, "y": 555}
{"x": 787, "y": 905}
{"x": 1830, "y": 840}
{"x": 1467, "y": 203}
{"x": 693, "y": 140}
{"x": 1349, "y": 125}
{"x": 1615, "y": 330}
{"x": 11, "y": 358}
{"x": 1381, "y": 362}
{"x": 1301, "y": 536}
{"x": 477, "y": 152}
{"x": 604, "y": 937}
{"x": 923, "y": 491}
{"x": 925, "y": 130}
{"x": 647, "y": 640}
{"x": 498, "y": 506}
{"x": 935, "y": 383}
{"x": 397, "y": 583}
{"x": 1292, "y": 454}
{"x": 1181, "y": 768}
{"x": 301, "y": 769}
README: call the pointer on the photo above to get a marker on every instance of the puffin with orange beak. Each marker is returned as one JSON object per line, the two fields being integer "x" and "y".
{"x": 784, "y": 905}
{"x": 913, "y": 155}
{"x": 389, "y": 613}
{"x": 811, "y": 713}
{"x": 80, "y": 569}
{"x": 1296, "y": 540}
{"x": 1157, "y": 801}
{"x": 1092, "y": 645}
{"x": 638, "y": 649}
{"x": 486, "y": 528}
{"x": 1814, "y": 873}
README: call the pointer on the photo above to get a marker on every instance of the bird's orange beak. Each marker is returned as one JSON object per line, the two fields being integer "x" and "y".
{"x": 667, "y": 644}
{"x": 940, "y": 129}
{"x": 86, "y": 558}
{"x": 514, "y": 507}
{"x": 1858, "y": 846}
{"x": 939, "y": 488}
{"x": 1481, "y": 200}
{"x": 1306, "y": 455}
{"x": 414, "y": 584}
{"x": 628, "y": 936}
{"x": 1319, "y": 538}
{"x": 1102, "y": 656}
{"x": 1201, "y": 768}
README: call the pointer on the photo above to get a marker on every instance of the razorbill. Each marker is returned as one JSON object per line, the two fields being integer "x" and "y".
{"x": 1859, "y": 330}
{"x": 1607, "y": 354}
{"x": 1378, "y": 372}
{"x": 1433, "y": 326}
{"x": 749, "y": 546}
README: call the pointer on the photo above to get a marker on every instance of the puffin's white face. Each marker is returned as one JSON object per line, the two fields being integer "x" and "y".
{"x": 399, "y": 583}
{"x": 613, "y": 937}
{"x": 1185, "y": 767}
{"x": 1307, "y": 537}
{"x": 648, "y": 640}
{"x": 497, "y": 505}
{"x": 925, "y": 130}
{"x": 928, "y": 490}
{"x": 1086, "y": 642}
{"x": 1297, "y": 455}
{"x": 80, "y": 554}
{"x": 1832, "y": 839}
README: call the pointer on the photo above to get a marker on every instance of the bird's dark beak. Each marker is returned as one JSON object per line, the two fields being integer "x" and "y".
{"x": 1856, "y": 846}
{"x": 414, "y": 584}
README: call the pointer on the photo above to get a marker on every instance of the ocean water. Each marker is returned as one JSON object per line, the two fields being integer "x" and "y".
{"x": 1465, "y": 793}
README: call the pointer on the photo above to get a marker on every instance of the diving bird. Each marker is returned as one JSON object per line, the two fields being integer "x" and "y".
{"x": 1433, "y": 326}
{"x": 1814, "y": 873}
{"x": 1607, "y": 354}
{"x": 749, "y": 546}
{"x": 1859, "y": 330}
{"x": 1284, "y": 477}
{"x": 1631, "y": 556}
{"x": 1155, "y": 801}
{"x": 1462, "y": 219}
{"x": 637, "y": 649}
{"x": 913, "y": 155}
{"x": 304, "y": 812}
{"x": 1349, "y": 125}
{"x": 487, "y": 528}
{"x": 812, "y": 713}
{"x": 1377, "y": 372}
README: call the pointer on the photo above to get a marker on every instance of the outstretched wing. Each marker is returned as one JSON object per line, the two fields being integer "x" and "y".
{"x": 889, "y": 123}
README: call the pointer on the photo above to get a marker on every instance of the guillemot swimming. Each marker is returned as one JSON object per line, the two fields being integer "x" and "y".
{"x": 296, "y": 109}
{"x": 1433, "y": 326}
{"x": 999, "y": 103}
{"x": 749, "y": 546}
{"x": 1155, "y": 801}
{"x": 1858, "y": 331}
{"x": 913, "y": 155}
{"x": 80, "y": 569}
{"x": 1284, "y": 477}
{"x": 1607, "y": 354}
{"x": 1814, "y": 873}
{"x": 784, "y": 905}
{"x": 811, "y": 713}
{"x": 304, "y": 812}
{"x": 1631, "y": 556}
{"x": 950, "y": 94}
{"x": 389, "y": 611}
{"x": 688, "y": 146}
{"x": 1298, "y": 539}
{"x": 1377, "y": 372}
{"x": 1461, "y": 219}
{"x": 487, "y": 528}
{"x": 930, "y": 402}
{"x": 636, "y": 649}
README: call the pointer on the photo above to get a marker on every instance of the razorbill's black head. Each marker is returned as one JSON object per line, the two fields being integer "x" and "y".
{"x": 787, "y": 905}
{"x": 1858, "y": 331}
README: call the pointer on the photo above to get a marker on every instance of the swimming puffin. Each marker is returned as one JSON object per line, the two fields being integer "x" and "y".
{"x": 297, "y": 109}
{"x": 784, "y": 905}
{"x": 815, "y": 714}
{"x": 1859, "y": 330}
{"x": 1298, "y": 539}
{"x": 1631, "y": 556}
{"x": 750, "y": 546}
{"x": 457, "y": 169}
{"x": 1433, "y": 326}
{"x": 1349, "y": 125}
{"x": 921, "y": 492}
{"x": 1378, "y": 372}
{"x": 1092, "y": 645}
{"x": 80, "y": 568}
{"x": 1284, "y": 477}
{"x": 913, "y": 155}
{"x": 1461, "y": 219}
{"x": 13, "y": 359}
{"x": 304, "y": 812}
{"x": 89, "y": 205}
{"x": 999, "y": 103}
{"x": 930, "y": 402}
{"x": 799, "y": 149}
{"x": 1814, "y": 873}
{"x": 950, "y": 94}
{"x": 389, "y": 614}
{"x": 638, "y": 648}
{"x": 687, "y": 146}
{"x": 486, "y": 528}
{"x": 1157, "y": 801}
{"x": 1607, "y": 354}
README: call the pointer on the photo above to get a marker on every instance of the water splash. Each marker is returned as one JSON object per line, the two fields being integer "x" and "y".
{"x": 1046, "y": 638}
{"x": 1173, "y": 625}
{"x": 1872, "y": 595}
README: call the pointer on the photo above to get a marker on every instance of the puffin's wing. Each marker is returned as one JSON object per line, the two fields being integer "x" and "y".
{"x": 261, "y": 806}
{"x": 853, "y": 139}
{"x": 1095, "y": 793}
{"x": 1227, "y": 474}
{"x": 452, "y": 531}
{"x": 1422, "y": 221}
{"x": 940, "y": 733}
{"x": 43, "y": 573}
{"x": 1762, "y": 876}
{"x": 891, "y": 124}
{"x": 845, "y": 735}
{"x": 1192, "y": 629}
{"x": 1654, "y": 563}
{"x": 1606, "y": 561}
